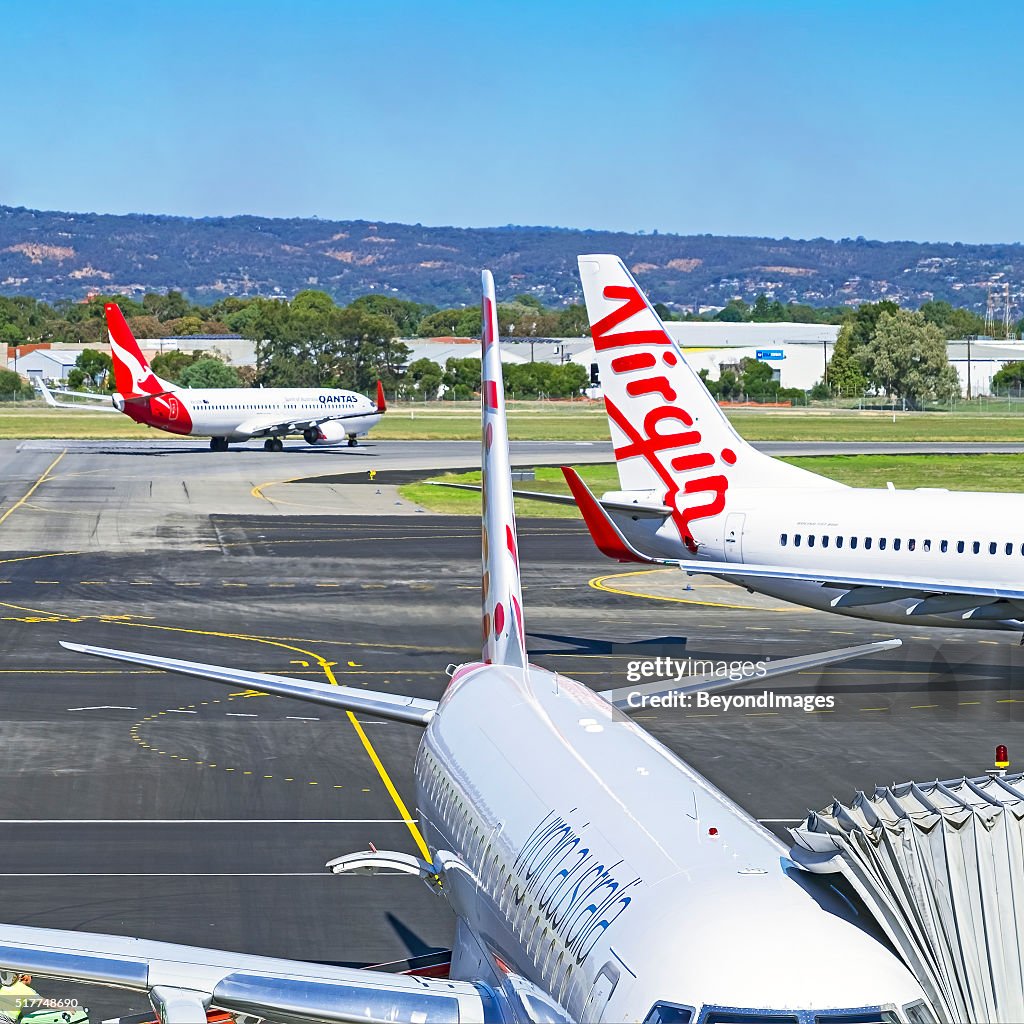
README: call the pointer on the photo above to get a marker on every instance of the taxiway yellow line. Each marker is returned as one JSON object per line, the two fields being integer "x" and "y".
{"x": 601, "y": 583}
{"x": 326, "y": 667}
{"x": 28, "y": 494}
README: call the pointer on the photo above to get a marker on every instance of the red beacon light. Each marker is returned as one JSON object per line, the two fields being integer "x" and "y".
{"x": 1002, "y": 757}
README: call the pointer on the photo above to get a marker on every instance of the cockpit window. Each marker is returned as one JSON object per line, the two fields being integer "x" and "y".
{"x": 853, "y": 1015}
{"x": 747, "y": 1017}
{"x": 669, "y": 1013}
{"x": 871, "y": 1017}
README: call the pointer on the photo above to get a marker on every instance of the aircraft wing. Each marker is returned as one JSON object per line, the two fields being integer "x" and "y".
{"x": 50, "y": 400}
{"x": 394, "y": 706}
{"x": 182, "y": 982}
{"x": 859, "y": 589}
{"x": 266, "y": 427}
{"x": 625, "y": 698}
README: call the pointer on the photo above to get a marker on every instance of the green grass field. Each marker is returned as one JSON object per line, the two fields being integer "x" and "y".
{"x": 570, "y": 421}
{"x": 956, "y": 472}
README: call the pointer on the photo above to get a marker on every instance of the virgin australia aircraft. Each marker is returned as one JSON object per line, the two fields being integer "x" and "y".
{"x": 594, "y": 875}
{"x": 320, "y": 415}
{"x": 696, "y": 495}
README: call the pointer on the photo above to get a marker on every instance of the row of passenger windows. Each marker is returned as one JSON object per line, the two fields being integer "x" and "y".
{"x": 259, "y": 405}
{"x": 943, "y": 546}
{"x": 482, "y": 855}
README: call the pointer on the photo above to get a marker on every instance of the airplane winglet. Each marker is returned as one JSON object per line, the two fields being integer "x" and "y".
{"x": 605, "y": 534}
{"x": 47, "y": 395}
{"x": 382, "y": 405}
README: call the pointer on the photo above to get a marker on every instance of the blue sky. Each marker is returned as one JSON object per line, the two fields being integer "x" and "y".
{"x": 791, "y": 119}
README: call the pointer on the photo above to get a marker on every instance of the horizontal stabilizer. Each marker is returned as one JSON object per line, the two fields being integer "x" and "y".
{"x": 623, "y": 697}
{"x": 608, "y": 538}
{"x": 372, "y": 702}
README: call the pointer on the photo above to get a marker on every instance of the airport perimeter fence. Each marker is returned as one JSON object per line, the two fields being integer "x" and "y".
{"x": 984, "y": 405}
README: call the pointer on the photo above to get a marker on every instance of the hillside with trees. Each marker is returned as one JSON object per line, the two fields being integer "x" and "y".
{"x": 66, "y": 256}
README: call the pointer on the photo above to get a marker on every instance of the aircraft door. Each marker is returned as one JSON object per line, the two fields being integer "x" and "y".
{"x": 601, "y": 993}
{"x": 734, "y": 536}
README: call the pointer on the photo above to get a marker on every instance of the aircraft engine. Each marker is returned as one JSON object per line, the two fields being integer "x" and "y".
{"x": 331, "y": 432}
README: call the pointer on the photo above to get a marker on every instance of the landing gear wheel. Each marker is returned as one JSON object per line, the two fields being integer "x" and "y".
{"x": 273, "y": 444}
{"x": 218, "y": 444}
{"x": 352, "y": 442}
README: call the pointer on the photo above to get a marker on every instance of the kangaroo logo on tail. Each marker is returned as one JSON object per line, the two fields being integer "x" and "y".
{"x": 145, "y": 397}
{"x": 132, "y": 373}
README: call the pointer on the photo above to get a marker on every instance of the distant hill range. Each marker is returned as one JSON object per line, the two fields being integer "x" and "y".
{"x": 70, "y": 255}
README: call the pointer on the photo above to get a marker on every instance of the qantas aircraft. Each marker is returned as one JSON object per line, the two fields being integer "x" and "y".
{"x": 594, "y": 875}
{"x": 696, "y": 495}
{"x": 320, "y": 415}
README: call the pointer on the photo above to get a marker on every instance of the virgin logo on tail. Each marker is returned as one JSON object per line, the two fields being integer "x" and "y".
{"x": 666, "y": 427}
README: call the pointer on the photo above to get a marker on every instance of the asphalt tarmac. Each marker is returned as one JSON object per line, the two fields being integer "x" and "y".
{"x": 138, "y": 803}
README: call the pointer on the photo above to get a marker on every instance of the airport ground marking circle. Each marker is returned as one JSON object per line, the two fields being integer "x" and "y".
{"x": 600, "y": 583}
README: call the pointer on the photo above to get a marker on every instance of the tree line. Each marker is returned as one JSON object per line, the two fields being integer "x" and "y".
{"x": 310, "y": 341}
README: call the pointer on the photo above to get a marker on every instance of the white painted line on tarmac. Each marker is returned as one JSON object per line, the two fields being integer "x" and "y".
{"x": 178, "y": 711}
{"x": 296, "y": 718}
{"x": 240, "y": 714}
{"x": 105, "y": 707}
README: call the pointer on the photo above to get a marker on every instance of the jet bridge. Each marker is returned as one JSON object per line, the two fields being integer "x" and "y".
{"x": 940, "y": 866}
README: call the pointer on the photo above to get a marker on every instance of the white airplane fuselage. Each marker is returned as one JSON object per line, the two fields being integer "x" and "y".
{"x": 613, "y": 876}
{"x": 949, "y": 537}
{"x": 236, "y": 413}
